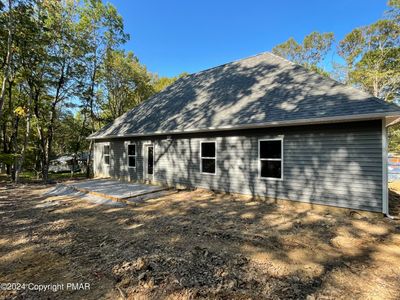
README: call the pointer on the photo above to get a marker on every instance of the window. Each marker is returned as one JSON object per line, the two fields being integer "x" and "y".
{"x": 131, "y": 155}
{"x": 106, "y": 154}
{"x": 270, "y": 158}
{"x": 208, "y": 157}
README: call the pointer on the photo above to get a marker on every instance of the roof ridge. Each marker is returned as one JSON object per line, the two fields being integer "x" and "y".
{"x": 284, "y": 59}
{"x": 230, "y": 62}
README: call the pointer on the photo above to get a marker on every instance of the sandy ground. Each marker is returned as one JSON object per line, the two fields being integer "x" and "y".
{"x": 195, "y": 245}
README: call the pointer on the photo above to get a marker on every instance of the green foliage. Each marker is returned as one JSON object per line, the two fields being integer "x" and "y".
{"x": 372, "y": 55}
{"x": 126, "y": 83}
{"x": 66, "y": 77}
{"x": 394, "y": 3}
{"x": 160, "y": 83}
{"x": 8, "y": 158}
{"x": 70, "y": 135}
{"x": 351, "y": 46}
{"x": 310, "y": 53}
{"x": 394, "y": 138}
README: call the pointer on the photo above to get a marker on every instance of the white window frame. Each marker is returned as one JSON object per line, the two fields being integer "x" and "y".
{"x": 109, "y": 154}
{"x": 127, "y": 155}
{"x": 206, "y": 157}
{"x": 270, "y": 159}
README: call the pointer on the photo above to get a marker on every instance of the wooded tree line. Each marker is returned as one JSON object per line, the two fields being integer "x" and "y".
{"x": 64, "y": 74}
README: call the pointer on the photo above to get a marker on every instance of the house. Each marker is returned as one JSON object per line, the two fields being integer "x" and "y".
{"x": 69, "y": 163}
{"x": 261, "y": 126}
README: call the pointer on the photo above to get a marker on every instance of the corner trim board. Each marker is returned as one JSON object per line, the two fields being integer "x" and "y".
{"x": 385, "y": 196}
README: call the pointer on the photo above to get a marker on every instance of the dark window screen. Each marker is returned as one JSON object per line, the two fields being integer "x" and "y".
{"x": 132, "y": 161}
{"x": 131, "y": 149}
{"x": 271, "y": 168}
{"x": 106, "y": 150}
{"x": 270, "y": 149}
{"x": 207, "y": 149}
{"x": 208, "y": 165}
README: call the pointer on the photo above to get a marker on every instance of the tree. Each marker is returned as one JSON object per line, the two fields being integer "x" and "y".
{"x": 126, "y": 83}
{"x": 372, "y": 57}
{"x": 15, "y": 102}
{"x": 57, "y": 50}
{"x": 59, "y": 73}
{"x": 8, "y": 21}
{"x": 160, "y": 83}
{"x": 103, "y": 31}
{"x": 310, "y": 53}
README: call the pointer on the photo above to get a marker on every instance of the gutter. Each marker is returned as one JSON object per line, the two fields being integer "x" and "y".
{"x": 313, "y": 121}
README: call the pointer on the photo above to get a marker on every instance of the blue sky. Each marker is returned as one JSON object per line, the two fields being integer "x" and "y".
{"x": 171, "y": 37}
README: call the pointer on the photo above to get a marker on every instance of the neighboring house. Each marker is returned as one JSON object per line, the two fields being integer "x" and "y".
{"x": 63, "y": 164}
{"x": 394, "y": 166}
{"x": 261, "y": 126}
{"x": 69, "y": 163}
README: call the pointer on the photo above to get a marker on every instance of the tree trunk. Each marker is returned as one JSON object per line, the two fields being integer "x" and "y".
{"x": 89, "y": 159}
{"x": 13, "y": 148}
{"x": 8, "y": 60}
{"x": 21, "y": 159}
{"x": 47, "y": 152}
{"x": 50, "y": 127}
{"x": 5, "y": 147}
{"x": 14, "y": 145}
{"x": 42, "y": 140}
{"x": 91, "y": 102}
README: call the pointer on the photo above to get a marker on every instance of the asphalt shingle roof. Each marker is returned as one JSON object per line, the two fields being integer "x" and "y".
{"x": 262, "y": 89}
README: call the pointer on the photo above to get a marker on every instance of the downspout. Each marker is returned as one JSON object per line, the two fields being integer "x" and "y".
{"x": 385, "y": 194}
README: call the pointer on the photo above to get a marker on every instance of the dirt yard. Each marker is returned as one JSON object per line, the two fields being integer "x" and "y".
{"x": 195, "y": 245}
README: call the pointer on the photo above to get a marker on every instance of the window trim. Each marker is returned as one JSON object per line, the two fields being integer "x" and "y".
{"x": 207, "y": 157}
{"x": 109, "y": 154}
{"x": 259, "y": 159}
{"x": 127, "y": 155}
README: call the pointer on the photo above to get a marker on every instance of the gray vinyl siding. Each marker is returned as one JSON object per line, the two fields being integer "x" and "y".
{"x": 118, "y": 160}
{"x": 332, "y": 164}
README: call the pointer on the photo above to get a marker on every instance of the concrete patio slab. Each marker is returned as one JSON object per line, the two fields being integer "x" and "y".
{"x": 115, "y": 190}
{"x": 63, "y": 190}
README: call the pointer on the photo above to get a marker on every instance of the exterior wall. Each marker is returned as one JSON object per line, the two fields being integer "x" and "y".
{"x": 333, "y": 164}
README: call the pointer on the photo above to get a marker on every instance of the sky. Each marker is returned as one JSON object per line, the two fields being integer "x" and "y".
{"x": 171, "y": 37}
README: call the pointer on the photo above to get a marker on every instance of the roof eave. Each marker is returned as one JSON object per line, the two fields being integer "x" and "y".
{"x": 313, "y": 121}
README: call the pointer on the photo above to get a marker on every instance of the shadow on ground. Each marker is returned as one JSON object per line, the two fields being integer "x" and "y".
{"x": 196, "y": 245}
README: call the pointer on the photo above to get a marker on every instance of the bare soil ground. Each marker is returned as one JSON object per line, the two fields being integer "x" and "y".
{"x": 196, "y": 245}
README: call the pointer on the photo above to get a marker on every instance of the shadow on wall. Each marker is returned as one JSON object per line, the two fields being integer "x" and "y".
{"x": 314, "y": 164}
{"x": 336, "y": 164}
